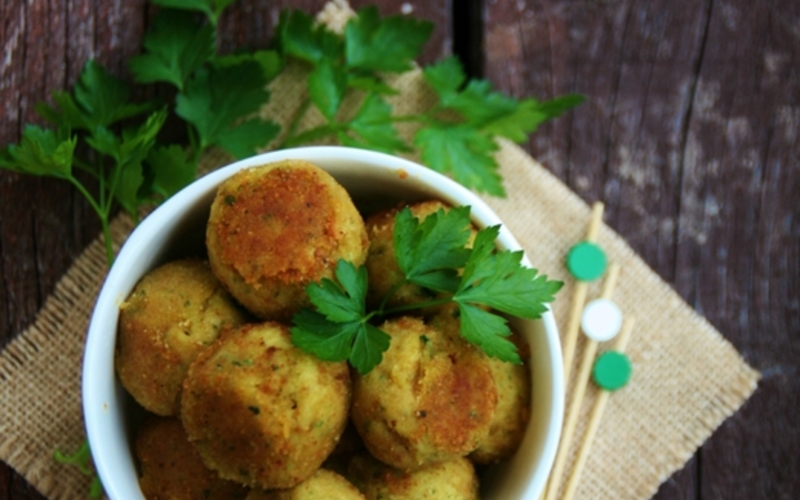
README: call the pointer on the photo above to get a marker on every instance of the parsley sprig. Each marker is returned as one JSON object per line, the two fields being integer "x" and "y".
{"x": 108, "y": 146}
{"x": 112, "y": 150}
{"x": 457, "y": 136}
{"x": 434, "y": 253}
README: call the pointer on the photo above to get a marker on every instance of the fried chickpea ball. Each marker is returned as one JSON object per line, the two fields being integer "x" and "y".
{"x": 381, "y": 264}
{"x": 173, "y": 313}
{"x": 513, "y": 385}
{"x": 432, "y": 397}
{"x": 323, "y": 485}
{"x": 451, "y": 480}
{"x": 261, "y": 411}
{"x": 513, "y": 412}
{"x": 171, "y": 468}
{"x": 275, "y": 228}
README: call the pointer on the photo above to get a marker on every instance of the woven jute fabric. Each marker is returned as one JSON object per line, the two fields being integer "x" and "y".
{"x": 687, "y": 378}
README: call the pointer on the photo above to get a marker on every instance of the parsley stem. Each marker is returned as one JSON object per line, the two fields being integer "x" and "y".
{"x": 191, "y": 133}
{"x": 102, "y": 214}
{"x": 85, "y": 167}
{"x": 314, "y": 134}
{"x": 292, "y": 130}
{"x": 410, "y": 118}
{"x": 417, "y": 305}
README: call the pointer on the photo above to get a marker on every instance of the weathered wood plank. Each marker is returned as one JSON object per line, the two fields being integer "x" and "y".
{"x": 44, "y": 223}
{"x": 744, "y": 160}
{"x": 689, "y": 136}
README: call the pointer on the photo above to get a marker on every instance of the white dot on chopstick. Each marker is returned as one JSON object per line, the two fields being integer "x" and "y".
{"x": 601, "y": 320}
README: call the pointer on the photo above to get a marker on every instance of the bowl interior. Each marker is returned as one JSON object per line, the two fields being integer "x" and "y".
{"x": 177, "y": 229}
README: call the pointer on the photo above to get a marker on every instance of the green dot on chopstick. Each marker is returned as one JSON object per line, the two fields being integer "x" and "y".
{"x": 586, "y": 261}
{"x": 612, "y": 370}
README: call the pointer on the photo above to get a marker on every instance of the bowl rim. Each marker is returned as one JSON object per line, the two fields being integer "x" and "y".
{"x": 99, "y": 383}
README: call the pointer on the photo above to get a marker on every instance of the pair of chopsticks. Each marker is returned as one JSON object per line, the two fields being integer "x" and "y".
{"x": 577, "y": 313}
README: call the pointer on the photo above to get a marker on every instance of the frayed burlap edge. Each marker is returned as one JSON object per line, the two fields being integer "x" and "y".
{"x": 40, "y": 372}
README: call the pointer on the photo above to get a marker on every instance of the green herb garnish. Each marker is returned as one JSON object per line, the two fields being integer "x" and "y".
{"x": 457, "y": 136}
{"x": 83, "y": 460}
{"x": 109, "y": 147}
{"x": 433, "y": 254}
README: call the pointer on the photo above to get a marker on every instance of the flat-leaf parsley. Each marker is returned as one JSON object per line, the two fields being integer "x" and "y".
{"x": 436, "y": 254}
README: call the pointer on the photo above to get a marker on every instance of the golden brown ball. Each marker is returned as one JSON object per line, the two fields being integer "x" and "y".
{"x": 451, "y": 480}
{"x": 431, "y": 399}
{"x": 171, "y": 468}
{"x": 513, "y": 385}
{"x": 323, "y": 485}
{"x": 173, "y": 313}
{"x": 275, "y": 228}
{"x": 261, "y": 411}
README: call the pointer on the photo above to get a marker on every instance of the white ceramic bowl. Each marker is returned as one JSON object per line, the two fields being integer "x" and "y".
{"x": 178, "y": 225}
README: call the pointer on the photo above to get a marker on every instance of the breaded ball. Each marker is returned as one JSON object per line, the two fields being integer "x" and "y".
{"x": 276, "y": 228}
{"x": 323, "y": 485}
{"x": 384, "y": 272}
{"x": 261, "y": 411}
{"x": 513, "y": 412}
{"x": 431, "y": 399}
{"x": 451, "y": 480}
{"x": 513, "y": 385}
{"x": 173, "y": 313}
{"x": 171, "y": 468}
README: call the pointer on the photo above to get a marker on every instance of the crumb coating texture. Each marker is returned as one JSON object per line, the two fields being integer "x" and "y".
{"x": 171, "y": 468}
{"x": 323, "y": 485}
{"x": 173, "y": 313}
{"x": 431, "y": 399}
{"x": 276, "y": 228}
{"x": 513, "y": 383}
{"x": 451, "y": 480}
{"x": 261, "y": 411}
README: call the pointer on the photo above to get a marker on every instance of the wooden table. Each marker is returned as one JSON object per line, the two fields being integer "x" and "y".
{"x": 689, "y": 135}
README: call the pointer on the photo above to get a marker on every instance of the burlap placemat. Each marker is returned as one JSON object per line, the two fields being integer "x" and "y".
{"x": 687, "y": 377}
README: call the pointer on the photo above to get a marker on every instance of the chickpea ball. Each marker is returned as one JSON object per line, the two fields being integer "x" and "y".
{"x": 171, "y": 468}
{"x": 261, "y": 411}
{"x": 275, "y": 228}
{"x": 431, "y": 399}
{"x": 451, "y": 480}
{"x": 513, "y": 412}
{"x": 323, "y": 485}
{"x": 513, "y": 383}
{"x": 173, "y": 313}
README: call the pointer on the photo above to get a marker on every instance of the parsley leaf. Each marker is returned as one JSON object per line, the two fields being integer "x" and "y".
{"x": 170, "y": 169}
{"x": 300, "y": 37}
{"x": 338, "y": 330}
{"x": 373, "y": 127}
{"x": 98, "y": 99}
{"x": 326, "y": 87}
{"x": 459, "y": 134}
{"x": 430, "y": 252}
{"x": 388, "y": 44}
{"x": 462, "y": 152}
{"x": 433, "y": 253}
{"x": 215, "y": 99}
{"x": 488, "y": 331}
{"x": 498, "y": 279}
{"x": 40, "y": 152}
{"x": 176, "y": 46}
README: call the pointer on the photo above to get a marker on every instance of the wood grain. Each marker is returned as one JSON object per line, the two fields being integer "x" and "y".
{"x": 44, "y": 223}
{"x": 689, "y": 136}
